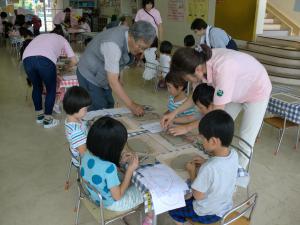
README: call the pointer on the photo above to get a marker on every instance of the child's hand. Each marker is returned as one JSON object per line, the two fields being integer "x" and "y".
{"x": 126, "y": 156}
{"x": 190, "y": 166}
{"x": 179, "y": 130}
{"x": 199, "y": 160}
{"x": 134, "y": 163}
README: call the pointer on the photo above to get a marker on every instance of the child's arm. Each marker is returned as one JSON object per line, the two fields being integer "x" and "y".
{"x": 183, "y": 129}
{"x": 118, "y": 191}
{"x": 184, "y": 119}
{"x": 191, "y": 168}
{"x": 198, "y": 195}
{"x": 81, "y": 149}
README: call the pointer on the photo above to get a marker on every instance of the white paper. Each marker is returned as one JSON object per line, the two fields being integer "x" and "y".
{"x": 152, "y": 127}
{"x": 106, "y": 112}
{"x": 69, "y": 77}
{"x": 166, "y": 187}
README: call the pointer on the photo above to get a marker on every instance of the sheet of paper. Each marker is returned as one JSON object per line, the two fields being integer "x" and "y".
{"x": 166, "y": 187}
{"x": 69, "y": 77}
{"x": 106, "y": 112}
{"x": 153, "y": 127}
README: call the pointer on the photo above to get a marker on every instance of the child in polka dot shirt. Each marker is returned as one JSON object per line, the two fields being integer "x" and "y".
{"x": 75, "y": 103}
{"x": 99, "y": 166}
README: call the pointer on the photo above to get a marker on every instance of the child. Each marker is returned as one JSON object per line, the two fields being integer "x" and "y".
{"x": 189, "y": 41}
{"x": 75, "y": 104}
{"x": 203, "y": 98}
{"x": 99, "y": 166}
{"x": 151, "y": 62}
{"x": 176, "y": 87}
{"x": 164, "y": 60}
{"x": 214, "y": 184}
{"x": 84, "y": 25}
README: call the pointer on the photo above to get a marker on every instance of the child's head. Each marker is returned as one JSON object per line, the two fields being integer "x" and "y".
{"x": 82, "y": 20}
{"x": 106, "y": 139}
{"x": 217, "y": 129}
{"x": 166, "y": 47}
{"x": 203, "y": 96}
{"x": 189, "y": 40}
{"x": 25, "y": 33}
{"x": 76, "y": 101}
{"x": 175, "y": 84}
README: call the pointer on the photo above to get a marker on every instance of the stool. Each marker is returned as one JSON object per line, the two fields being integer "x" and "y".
{"x": 241, "y": 221}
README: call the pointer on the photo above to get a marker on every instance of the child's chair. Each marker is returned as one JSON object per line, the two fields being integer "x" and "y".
{"x": 153, "y": 70}
{"x": 236, "y": 216}
{"x": 74, "y": 163}
{"x": 102, "y": 215}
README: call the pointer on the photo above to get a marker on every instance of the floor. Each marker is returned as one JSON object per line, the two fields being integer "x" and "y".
{"x": 33, "y": 161}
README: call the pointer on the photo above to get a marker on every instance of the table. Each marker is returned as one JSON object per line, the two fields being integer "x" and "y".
{"x": 64, "y": 82}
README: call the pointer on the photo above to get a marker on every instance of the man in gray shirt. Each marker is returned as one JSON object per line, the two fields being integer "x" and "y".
{"x": 105, "y": 56}
{"x": 214, "y": 37}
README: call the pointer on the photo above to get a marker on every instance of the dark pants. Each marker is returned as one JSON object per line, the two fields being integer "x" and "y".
{"x": 232, "y": 45}
{"x": 101, "y": 98}
{"x": 41, "y": 70}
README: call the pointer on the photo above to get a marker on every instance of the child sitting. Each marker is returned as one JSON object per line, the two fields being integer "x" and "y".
{"x": 99, "y": 166}
{"x": 164, "y": 60}
{"x": 151, "y": 62}
{"x": 176, "y": 87}
{"x": 214, "y": 184}
{"x": 189, "y": 41}
{"x": 84, "y": 25}
{"x": 75, "y": 103}
{"x": 203, "y": 98}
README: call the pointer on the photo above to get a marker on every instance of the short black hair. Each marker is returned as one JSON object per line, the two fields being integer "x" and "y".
{"x": 198, "y": 24}
{"x": 146, "y": 2}
{"x": 3, "y": 14}
{"x": 176, "y": 80}
{"x": 67, "y": 10}
{"x": 166, "y": 47}
{"x": 189, "y": 40}
{"x": 24, "y": 32}
{"x": 218, "y": 124}
{"x": 106, "y": 139}
{"x": 75, "y": 99}
{"x": 58, "y": 30}
{"x": 204, "y": 94}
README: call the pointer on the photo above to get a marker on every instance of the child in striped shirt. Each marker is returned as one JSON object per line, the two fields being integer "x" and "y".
{"x": 75, "y": 103}
{"x": 176, "y": 87}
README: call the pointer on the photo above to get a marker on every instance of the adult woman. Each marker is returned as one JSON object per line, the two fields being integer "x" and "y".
{"x": 39, "y": 59}
{"x": 240, "y": 82}
{"x": 150, "y": 14}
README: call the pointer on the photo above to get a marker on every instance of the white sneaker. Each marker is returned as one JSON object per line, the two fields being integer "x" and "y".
{"x": 56, "y": 109}
{"x": 50, "y": 123}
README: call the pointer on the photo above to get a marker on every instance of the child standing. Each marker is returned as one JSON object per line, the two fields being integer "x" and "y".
{"x": 176, "y": 87}
{"x": 151, "y": 62}
{"x": 164, "y": 60}
{"x": 75, "y": 104}
{"x": 214, "y": 184}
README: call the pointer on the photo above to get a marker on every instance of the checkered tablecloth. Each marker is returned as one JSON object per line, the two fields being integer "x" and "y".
{"x": 284, "y": 109}
{"x": 64, "y": 84}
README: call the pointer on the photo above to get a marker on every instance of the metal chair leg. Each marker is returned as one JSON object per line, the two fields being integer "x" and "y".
{"x": 77, "y": 208}
{"x": 281, "y": 137}
{"x": 67, "y": 183}
{"x": 297, "y": 139}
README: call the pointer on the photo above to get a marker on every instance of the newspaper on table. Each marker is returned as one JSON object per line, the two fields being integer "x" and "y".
{"x": 106, "y": 112}
{"x": 70, "y": 76}
{"x": 166, "y": 187}
{"x": 153, "y": 128}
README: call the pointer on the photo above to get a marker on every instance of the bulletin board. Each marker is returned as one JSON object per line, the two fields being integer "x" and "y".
{"x": 197, "y": 9}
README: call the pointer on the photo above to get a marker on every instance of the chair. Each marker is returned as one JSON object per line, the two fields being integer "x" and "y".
{"x": 153, "y": 67}
{"x": 281, "y": 124}
{"x": 237, "y": 142}
{"x": 236, "y": 216}
{"x": 74, "y": 163}
{"x": 102, "y": 215}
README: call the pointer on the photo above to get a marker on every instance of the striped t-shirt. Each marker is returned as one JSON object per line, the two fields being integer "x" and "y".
{"x": 172, "y": 105}
{"x": 76, "y": 133}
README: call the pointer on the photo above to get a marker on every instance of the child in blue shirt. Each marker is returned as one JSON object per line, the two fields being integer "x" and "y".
{"x": 99, "y": 166}
{"x": 75, "y": 103}
{"x": 176, "y": 87}
{"x": 213, "y": 186}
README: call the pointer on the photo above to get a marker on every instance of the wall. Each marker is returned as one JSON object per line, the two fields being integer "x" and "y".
{"x": 288, "y": 8}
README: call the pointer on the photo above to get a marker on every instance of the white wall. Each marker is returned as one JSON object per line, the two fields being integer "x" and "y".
{"x": 260, "y": 16}
{"x": 288, "y": 8}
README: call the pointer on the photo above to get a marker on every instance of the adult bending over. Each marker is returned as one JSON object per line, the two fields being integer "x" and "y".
{"x": 106, "y": 55}
{"x": 240, "y": 82}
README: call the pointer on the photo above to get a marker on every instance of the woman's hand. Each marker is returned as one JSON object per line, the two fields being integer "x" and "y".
{"x": 167, "y": 119}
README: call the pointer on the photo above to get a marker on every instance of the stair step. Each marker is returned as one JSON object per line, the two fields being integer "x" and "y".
{"x": 269, "y": 20}
{"x": 279, "y": 41}
{"x": 272, "y": 26}
{"x": 283, "y": 80}
{"x": 274, "y": 33}
{"x": 275, "y": 51}
{"x": 283, "y": 71}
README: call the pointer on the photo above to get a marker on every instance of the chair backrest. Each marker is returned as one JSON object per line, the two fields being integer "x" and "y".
{"x": 84, "y": 187}
{"x": 237, "y": 144}
{"x": 243, "y": 208}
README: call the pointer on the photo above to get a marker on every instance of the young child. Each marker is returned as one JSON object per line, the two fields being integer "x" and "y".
{"x": 164, "y": 60}
{"x": 203, "y": 98}
{"x": 189, "y": 41}
{"x": 176, "y": 87}
{"x": 84, "y": 25}
{"x": 75, "y": 103}
{"x": 151, "y": 62}
{"x": 214, "y": 184}
{"x": 99, "y": 166}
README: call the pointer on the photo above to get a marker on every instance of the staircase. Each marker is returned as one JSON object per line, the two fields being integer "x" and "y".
{"x": 280, "y": 57}
{"x": 273, "y": 27}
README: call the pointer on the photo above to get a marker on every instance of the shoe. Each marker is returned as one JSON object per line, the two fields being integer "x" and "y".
{"x": 40, "y": 119}
{"x": 56, "y": 109}
{"x": 49, "y": 123}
